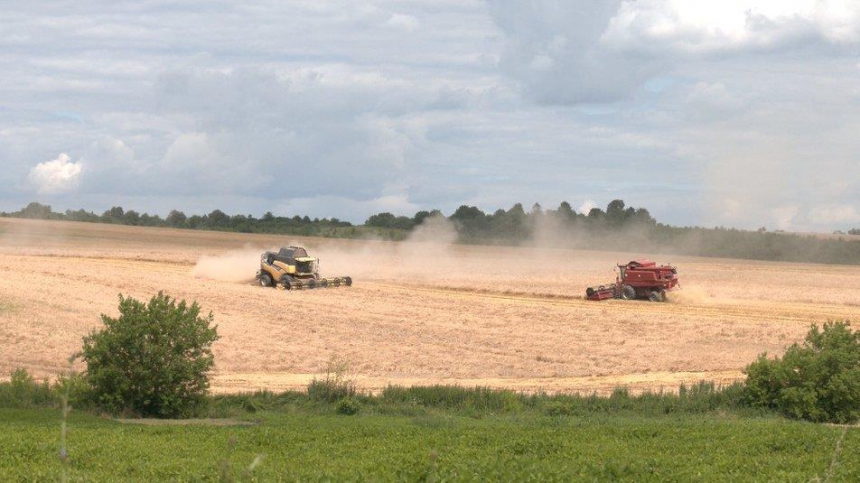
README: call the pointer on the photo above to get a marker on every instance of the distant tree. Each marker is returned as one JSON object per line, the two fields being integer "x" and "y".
{"x": 37, "y": 211}
{"x": 131, "y": 217}
{"x": 642, "y": 216}
{"x": 113, "y": 215}
{"x": 854, "y": 231}
{"x": 218, "y": 219}
{"x": 467, "y": 214}
{"x": 615, "y": 213}
{"x": 81, "y": 215}
{"x": 150, "y": 220}
{"x": 176, "y": 219}
{"x": 194, "y": 221}
{"x": 388, "y": 220}
{"x": 596, "y": 214}
{"x": 420, "y": 217}
{"x": 565, "y": 211}
{"x": 537, "y": 209}
{"x": 517, "y": 211}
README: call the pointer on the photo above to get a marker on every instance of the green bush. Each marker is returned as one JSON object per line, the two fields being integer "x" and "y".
{"x": 22, "y": 391}
{"x": 817, "y": 381}
{"x": 347, "y": 406}
{"x": 152, "y": 360}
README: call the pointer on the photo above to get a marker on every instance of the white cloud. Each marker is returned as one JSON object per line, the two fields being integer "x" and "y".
{"x": 704, "y": 27}
{"x": 405, "y": 22}
{"x": 834, "y": 214}
{"x": 784, "y": 217}
{"x": 703, "y": 112}
{"x": 56, "y": 176}
{"x": 586, "y": 206}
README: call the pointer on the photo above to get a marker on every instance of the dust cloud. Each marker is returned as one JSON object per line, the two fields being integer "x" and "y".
{"x": 233, "y": 266}
{"x": 427, "y": 253}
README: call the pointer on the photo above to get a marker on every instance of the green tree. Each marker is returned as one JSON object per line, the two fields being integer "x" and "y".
{"x": 37, "y": 211}
{"x": 420, "y": 217}
{"x": 131, "y": 217}
{"x": 218, "y": 219}
{"x": 153, "y": 359}
{"x": 176, "y": 218}
{"x": 818, "y": 381}
{"x": 615, "y": 213}
{"x": 114, "y": 215}
{"x": 565, "y": 211}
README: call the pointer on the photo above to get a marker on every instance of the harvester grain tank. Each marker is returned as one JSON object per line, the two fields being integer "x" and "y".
{"x": 639, "y": 279}
{"x": 291, "y": 268}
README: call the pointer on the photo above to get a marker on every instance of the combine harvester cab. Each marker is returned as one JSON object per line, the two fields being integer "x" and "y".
{"x": 292, "y": 269}
{"x": 639, "y": 279}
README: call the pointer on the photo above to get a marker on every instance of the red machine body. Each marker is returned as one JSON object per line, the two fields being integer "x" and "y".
{"x": 642, "y": 279}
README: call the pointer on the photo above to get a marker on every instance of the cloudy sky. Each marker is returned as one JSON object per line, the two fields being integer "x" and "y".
{"x": 734, "y": 113}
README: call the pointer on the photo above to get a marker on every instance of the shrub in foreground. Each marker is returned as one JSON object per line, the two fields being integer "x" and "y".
{"x": 152, "y": 360}
{"x": 817, "y": 381}
{"x": 336, "y": 385}
{"x": 22, "y": 391}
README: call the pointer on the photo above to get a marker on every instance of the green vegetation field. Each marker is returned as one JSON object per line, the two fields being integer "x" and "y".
{"x": 439, "y": 446}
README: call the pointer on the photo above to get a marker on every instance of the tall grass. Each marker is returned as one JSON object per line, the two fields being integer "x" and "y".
{"x": 23, "y": 392}
{"x": 328, "y": 394}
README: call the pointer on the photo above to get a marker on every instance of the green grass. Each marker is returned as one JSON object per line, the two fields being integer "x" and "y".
{"x": 307, "y": 446}
{"x": 435, "y": 433}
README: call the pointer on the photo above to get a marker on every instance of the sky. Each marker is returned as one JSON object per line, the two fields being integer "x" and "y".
{"x": 731, "y": 113}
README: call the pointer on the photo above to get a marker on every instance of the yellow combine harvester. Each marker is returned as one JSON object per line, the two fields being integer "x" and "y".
{"x": 293, "y": 269}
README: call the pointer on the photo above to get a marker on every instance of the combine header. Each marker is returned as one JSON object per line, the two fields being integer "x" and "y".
{"x": 639, "y": 279}
{"x": 293, "y": 269}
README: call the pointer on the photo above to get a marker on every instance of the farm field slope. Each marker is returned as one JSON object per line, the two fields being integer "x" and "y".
{"x": 419, "y": 313}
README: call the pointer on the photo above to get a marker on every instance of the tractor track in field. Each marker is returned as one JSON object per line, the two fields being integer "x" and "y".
{"x": 721, "y": 311}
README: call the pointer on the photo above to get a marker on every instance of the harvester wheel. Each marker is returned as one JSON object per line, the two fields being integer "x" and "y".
{"x": 663, "y": 296}
{"x": 347, "y": 281}
{"x": 628, "y": 292}
{"x": 266, "y": 280}
{"x": 312, "y": 283}
{"x": 286, "y": 282}
{"x": 655, "y": 296}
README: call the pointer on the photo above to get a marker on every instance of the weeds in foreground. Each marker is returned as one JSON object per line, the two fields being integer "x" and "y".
{"x": 336, "y": 385}
{"x": 228, "y": 474}
{"x": 66, "y": 408}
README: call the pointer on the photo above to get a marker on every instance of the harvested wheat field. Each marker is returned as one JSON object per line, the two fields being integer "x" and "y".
{"x": 419, "y": 313}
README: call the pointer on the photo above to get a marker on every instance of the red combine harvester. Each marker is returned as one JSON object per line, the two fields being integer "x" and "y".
{"x": 639, "y": 279}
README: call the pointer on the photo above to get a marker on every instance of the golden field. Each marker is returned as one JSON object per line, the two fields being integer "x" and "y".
{"x": 418, "y": 313}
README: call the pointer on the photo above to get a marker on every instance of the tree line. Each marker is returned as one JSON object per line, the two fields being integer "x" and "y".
{"x": 619, "y": 227}
{"x": 216, "y": 220}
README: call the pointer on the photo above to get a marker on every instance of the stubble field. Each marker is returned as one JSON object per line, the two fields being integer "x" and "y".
{"x": 419, "y": 313}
